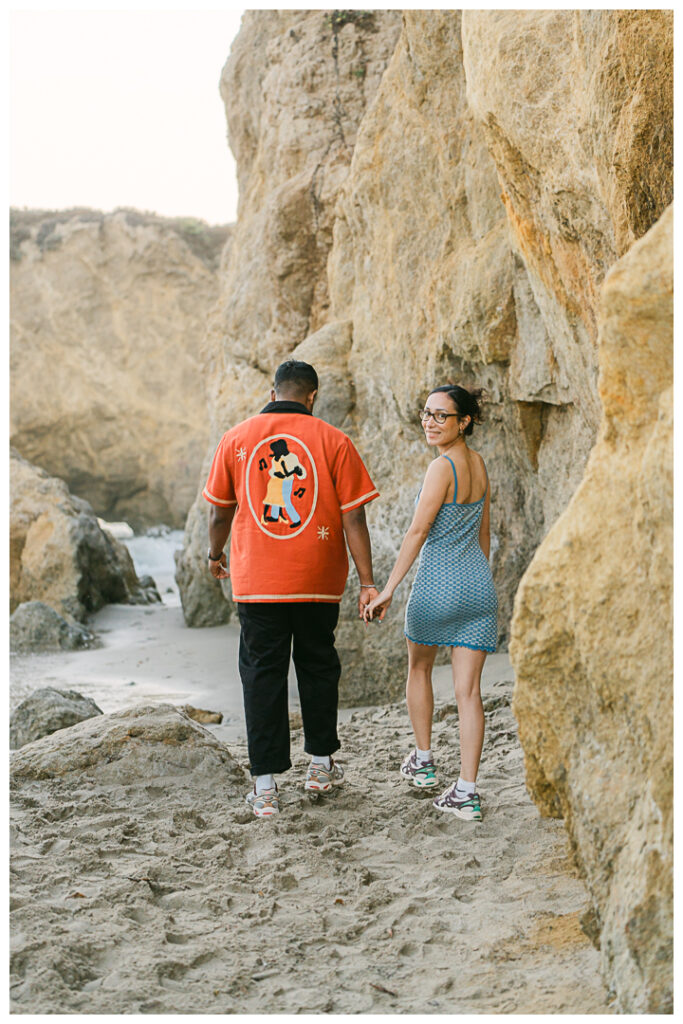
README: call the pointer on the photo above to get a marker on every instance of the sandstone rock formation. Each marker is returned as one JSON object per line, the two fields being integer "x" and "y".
{"x": 58, "y": 553}
{"x": 592, "y": 639}
{"x": 35, "y": 626}
{"x": 108, "y": 314}
{"x": 296, "y": 87}
{"x": 454, "y": 217}
{"x": 46, "y": 711}
{"x": 134, "y": 748}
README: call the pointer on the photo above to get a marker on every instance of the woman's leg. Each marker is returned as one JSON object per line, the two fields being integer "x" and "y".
{"x": 419, "y": 693}
{"x": 294, "y": 516}
{"x": 467, "y": 668}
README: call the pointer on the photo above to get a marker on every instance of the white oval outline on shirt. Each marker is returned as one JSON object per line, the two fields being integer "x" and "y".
{"x": 284, "y": 536}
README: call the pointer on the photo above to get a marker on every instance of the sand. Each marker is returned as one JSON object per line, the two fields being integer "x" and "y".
{"x": 369, "y": 900}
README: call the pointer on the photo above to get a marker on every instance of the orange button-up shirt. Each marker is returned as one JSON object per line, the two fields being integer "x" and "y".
{"x": 292, "y": 477}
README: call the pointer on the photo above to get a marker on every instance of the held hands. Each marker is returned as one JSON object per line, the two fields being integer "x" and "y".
{"x": 366, "y": 595}
{"x": 378, "y": 606}
{"x": 219, "y": 570}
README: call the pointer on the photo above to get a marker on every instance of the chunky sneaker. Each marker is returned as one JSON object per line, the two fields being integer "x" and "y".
{"x": 468, "y": 807}
{"x": 421, "y": 774}
{"x": 321, "y": 779}
{"x": 265, "y": 803}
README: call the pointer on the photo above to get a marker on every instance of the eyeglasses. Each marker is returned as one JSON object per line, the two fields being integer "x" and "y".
{"x": 438, "y": 417}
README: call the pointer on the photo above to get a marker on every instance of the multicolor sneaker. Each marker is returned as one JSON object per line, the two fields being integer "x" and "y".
{"x": 321, "y": 779}
{"x": 422, "y": 774}
{"x": 265, "y": 803}
{"x": 468, "y": 807}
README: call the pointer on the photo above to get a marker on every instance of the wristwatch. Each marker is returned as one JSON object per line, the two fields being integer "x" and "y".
{"x": 212, "y": 559}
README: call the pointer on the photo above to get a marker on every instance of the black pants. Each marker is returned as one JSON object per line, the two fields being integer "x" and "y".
{"x": 268, "y": 630}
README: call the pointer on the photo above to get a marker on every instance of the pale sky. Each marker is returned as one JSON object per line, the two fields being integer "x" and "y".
{"x": 121, "y": 108}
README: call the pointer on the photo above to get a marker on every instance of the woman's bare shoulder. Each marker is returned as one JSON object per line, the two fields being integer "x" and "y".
{"x": 439, "y": 469}
{"x": 438, "y": 476}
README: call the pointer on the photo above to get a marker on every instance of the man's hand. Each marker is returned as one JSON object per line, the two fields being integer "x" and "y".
{"x": 379, "y": 603}
{"x": 219, "y": 570}
{"x": 367, "y": 594}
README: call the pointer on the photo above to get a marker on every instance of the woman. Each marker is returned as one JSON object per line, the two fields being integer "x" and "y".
{"x": 453, "y": 602}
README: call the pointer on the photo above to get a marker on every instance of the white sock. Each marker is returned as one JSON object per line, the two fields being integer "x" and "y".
{"x": 423, "y": 755}
{"x": 465, "y": 788}
{"x": 264, "y": 782}
{"x": 324, "y": 761}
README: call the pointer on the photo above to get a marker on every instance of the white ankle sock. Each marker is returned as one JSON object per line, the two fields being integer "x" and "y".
{"x": 465, "y": 788}
{"x": 423, "y": 755}
{"x": 262, "y": 782}
{"x": 324, "y": 760}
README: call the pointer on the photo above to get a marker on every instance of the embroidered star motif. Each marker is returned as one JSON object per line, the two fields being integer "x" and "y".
{"x": 241, "y": 454}
{"x": 323, "y": 533}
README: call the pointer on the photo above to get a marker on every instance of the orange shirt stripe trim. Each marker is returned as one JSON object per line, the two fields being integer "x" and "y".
{"x": 357, "y": 501}
{"x": 217, "y": 501}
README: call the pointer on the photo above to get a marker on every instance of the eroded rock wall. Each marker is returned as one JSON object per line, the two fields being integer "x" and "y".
{"x": 446, "y": 256}
{"x": 458, "y": 224}
{"x": 296, "y": 87}
{"x": 592, "y": 639}
{"x": 108, "y": 315}
{"x": 476, "y": 226}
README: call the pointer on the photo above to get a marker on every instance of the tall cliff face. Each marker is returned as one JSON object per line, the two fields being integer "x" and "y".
{"x": 108, "y": 313}
{"x": 452, "y": 216}
{"x": 443, "y": 197}
{"x": 473, "y": 234}
{"x": 296, "y": 87}
{"x": 592, "y": 639}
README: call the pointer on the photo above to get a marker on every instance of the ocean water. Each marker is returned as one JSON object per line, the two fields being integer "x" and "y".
{"x": 153, "y": 554}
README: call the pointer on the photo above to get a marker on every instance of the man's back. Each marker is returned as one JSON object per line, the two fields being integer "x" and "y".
{"x": 292, "y": 477}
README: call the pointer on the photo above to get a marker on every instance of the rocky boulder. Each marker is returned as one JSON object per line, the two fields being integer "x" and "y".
{"x": 35, "y": 626}
{"x": 113, "y": 308}
{"x": 132, "y": 748}
{"x": 202, "y": 715}
{"x": 205, "y": 600}
{"x": 59, "y": 554}
{"x": 592, "y": 639}
{"x": 45, "y": 712}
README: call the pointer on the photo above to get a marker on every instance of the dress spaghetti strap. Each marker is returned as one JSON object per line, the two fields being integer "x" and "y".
{"x": 455, "y": 477}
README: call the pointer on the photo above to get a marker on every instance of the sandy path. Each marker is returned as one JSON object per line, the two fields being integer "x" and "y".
{"x": 176, "y": 899}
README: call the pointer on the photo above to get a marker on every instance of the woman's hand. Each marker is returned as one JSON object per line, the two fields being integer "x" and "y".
{"x": 379, "y": 604}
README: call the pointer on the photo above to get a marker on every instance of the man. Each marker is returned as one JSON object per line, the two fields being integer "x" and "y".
{"x": 292, "y": 487}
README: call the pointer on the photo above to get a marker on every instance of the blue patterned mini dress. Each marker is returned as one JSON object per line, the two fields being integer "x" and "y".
{"x": 453, "y": 602}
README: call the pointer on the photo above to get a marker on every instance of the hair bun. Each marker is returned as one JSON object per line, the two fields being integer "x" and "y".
{"x": 467, "y": 401}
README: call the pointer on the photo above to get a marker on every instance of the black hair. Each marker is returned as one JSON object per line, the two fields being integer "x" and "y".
{"x": 294, "y": 375}
{"x": 279, "y": 448}
{"x": 467, "y": 403}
